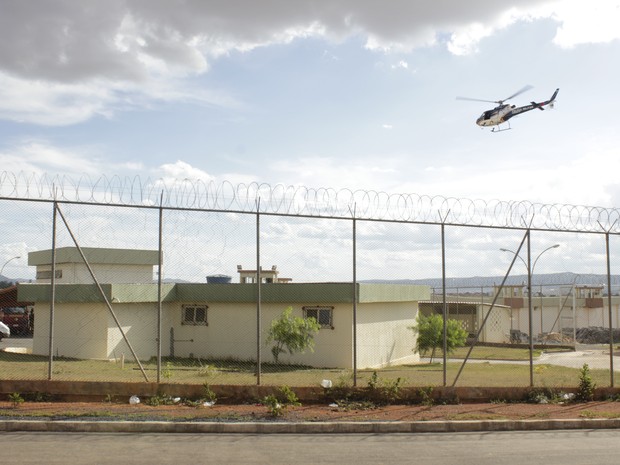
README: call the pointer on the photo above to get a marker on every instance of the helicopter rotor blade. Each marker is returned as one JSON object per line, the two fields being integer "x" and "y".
{"x": 499, "y": 102}
{"x": 519, "y": 92}
{"x": 476, "y": 99}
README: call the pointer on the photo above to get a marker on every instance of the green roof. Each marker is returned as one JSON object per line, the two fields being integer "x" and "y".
{"x": 309, "y": 293}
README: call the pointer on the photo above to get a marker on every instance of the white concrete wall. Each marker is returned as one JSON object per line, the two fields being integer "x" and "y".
{"x": 383, "y": 337}
{"x": 80, "y": 331}
{"x": 231, "y": 333}
{"x": 88, "y": 331}
{"x": 139, "y": 323}
{"x": 585, "y": 317}
{"x": 497, "y": 327}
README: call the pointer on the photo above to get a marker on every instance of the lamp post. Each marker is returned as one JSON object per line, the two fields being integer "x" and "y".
{"x": 5, "y": 263}
{"x": 531, "y": 273}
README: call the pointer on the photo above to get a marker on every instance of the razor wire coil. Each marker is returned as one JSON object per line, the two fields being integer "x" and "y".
{"x": 292, "y": 200}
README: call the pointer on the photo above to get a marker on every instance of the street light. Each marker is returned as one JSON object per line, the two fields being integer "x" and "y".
{"x": 5, "y": 263}
{"x": 531, "y": 273}
{"x": 520, "y": 258}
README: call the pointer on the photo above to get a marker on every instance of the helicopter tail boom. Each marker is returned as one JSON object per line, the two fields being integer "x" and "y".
{"x": 533, "y": 105}
{"x": 547, "y": 102}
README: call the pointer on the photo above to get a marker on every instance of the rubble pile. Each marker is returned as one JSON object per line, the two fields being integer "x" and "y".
{"x": 596, "y": 335}
{"x": 557, "y": 338}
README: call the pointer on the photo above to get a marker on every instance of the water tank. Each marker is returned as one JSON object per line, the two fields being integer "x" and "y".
{"x": 218, "y": 279}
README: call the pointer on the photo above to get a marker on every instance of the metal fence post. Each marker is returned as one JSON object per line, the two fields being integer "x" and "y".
{"x": 52, "y": 295}
{"x": 445, "y": 304}
{"x": 611, "y": 327}
{"x": 529, "y": 306}
{"x": 159, "y": 281}
{"x": 354, "y": 299}
{"x": 258, "y": 298}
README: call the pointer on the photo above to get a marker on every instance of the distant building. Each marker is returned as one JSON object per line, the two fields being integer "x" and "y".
{"x": 266, "y": 276}
{"x": 213, "y": 320}
{"x": 471, "y": 314}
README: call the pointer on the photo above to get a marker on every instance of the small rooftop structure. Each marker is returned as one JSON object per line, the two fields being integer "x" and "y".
{"x": 510, "y": 290}
{"x": 588, "y": 292}
{"x": 109, "y": 265}
{"x": 266, "y": 276}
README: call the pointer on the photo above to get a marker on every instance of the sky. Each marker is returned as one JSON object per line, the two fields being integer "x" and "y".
{"x": 341, "y": 94}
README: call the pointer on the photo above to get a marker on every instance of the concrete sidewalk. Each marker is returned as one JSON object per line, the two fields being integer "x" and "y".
{"x": 283, "y": 427}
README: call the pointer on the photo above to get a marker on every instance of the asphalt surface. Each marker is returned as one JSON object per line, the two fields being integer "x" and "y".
{"x": 496, "y": 448}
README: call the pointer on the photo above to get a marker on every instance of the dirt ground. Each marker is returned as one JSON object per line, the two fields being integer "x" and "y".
{"x": 332, "y": 413}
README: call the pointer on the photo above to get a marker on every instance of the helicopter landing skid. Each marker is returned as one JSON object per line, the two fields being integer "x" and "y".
{"x": 498, "y": 128}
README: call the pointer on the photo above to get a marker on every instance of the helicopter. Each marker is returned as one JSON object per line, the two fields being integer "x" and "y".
{"x": 504, "y": 111}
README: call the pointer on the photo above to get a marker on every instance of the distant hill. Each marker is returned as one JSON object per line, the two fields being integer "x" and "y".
{"x": 489, "y": 281}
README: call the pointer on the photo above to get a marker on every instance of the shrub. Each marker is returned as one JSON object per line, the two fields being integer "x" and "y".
{"x": 277, "y": 404}
{"x": 385, "y": 392}
{"x": 291, "y": 334}
{"x": 426, "y": 396}
{"x": 430, "y": 334}
{"x": 16, "y": 398}
{"x": 210, "y": 396}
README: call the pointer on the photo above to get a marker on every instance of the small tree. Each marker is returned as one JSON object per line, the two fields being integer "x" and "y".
{"x": 430, "y": 334}
{"x": 291, "y": 334}
{"x": 586, "y": 385}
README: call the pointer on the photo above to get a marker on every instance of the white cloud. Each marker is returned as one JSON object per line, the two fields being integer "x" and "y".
{"x": 181, "y": 170}
{"x": 402, "y": 64}
{"x": 51, "y": 103}
{"x": 335, "y": 174}
{"x": 62, "y": 64}
{"x": 465, "y": 40}
{"x": 587, "y": 22}
{"x": 39, "y": 157}
{"x": 43, "y": 158}
{"x": 535, "y": 181}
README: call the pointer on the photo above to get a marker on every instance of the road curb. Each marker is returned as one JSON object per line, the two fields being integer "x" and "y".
{"x": 305, "y": 427}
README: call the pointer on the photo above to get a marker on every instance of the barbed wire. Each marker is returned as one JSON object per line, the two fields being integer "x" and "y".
{"x": 306, "y": 201}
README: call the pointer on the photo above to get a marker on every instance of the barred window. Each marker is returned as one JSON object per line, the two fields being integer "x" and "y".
{"x": 47, "y": 274}
{"x": 195, "y": 315}
{"x": 323, "y": 315}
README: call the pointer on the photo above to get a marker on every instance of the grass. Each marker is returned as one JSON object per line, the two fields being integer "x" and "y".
{"x": 590, "y": 414}
{"x": 222, "y": 372}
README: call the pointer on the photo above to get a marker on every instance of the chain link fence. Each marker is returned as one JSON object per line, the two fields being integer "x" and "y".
{"x": 132, "y": 291}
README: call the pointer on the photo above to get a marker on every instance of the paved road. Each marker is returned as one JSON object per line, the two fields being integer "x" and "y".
{"x": 592, "y": 447}
{"x": 594, "y": 356}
